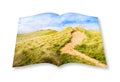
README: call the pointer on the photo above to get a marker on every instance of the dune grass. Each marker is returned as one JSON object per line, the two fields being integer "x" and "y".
{"x": 27, "y": 36}
{"x": 92, "y": 45}
{"x": 71, "y": 58}
{"x": 42, "y": 49}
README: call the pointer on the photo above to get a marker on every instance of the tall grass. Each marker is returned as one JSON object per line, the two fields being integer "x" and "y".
{"x": 45, "y": 48}
{"x": 71, "y": 58}
{"x": 27, "y": 36}
{"x": 92, "y": 45}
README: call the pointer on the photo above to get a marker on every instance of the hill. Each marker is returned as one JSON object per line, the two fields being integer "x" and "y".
{"x": 92, "y": 45}
{"x": 45, "y": 46}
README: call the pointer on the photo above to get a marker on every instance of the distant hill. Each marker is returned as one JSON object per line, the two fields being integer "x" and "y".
{"x": 44, "y": 46}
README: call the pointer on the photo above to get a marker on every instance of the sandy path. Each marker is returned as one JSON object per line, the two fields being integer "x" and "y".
{"x": 77, "y": 37}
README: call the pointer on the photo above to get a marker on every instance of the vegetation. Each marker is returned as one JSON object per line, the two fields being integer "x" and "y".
{"x": 69, "y": 58}
{"x": 41, "y": 49}
{"x": 92, "y": 45}
{"x": 27, "y": 36}
{"x": 44, "y": 47}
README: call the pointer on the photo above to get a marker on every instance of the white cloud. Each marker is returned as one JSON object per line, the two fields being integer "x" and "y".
{"x": 54, "y": 21}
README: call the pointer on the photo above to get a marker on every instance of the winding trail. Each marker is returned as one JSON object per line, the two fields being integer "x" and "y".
{"x": 77, "y": 37}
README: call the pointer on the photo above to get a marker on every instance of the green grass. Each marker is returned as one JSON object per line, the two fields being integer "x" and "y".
{"x": 92, "y": 45}
{"x": 45, "y": 48}
{"x": 68, "y": 58}
{"x": 27, "y": 36}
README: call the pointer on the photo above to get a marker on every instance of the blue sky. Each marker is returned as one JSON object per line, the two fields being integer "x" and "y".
{"x": 55, "y": 21}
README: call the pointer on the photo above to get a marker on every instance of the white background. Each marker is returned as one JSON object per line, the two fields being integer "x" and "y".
{"x": 109, "y": 17}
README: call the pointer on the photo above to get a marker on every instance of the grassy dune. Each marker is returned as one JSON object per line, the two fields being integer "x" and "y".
{"x": 92, "y": 45}
{"x": 44, "y": 47}
{"x": 27, "y": 36}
